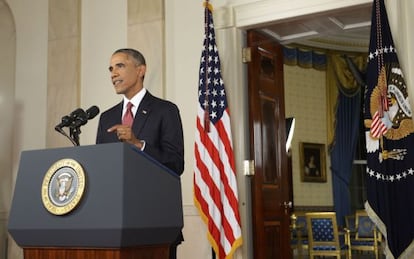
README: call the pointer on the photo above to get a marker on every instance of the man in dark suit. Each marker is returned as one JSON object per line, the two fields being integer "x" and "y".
{"x": 154, "y": 125}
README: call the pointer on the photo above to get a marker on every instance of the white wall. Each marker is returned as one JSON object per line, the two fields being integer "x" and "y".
{"x": 183, "y": 41}
{"x": 401, "y": 24}
{"x": 31, "y": 21}
{"x": 7, "y": 72}
{"x": 103, "y": 30}
{"x": 31, "y": 71}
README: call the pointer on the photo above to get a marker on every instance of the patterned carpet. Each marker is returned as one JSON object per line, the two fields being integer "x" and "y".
{"x": 365, "y": 255}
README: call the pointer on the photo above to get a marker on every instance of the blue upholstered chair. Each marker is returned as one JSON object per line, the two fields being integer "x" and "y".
{"x": 324, "y": 237}
{"x": 367, "y": 238}
{"x": 299, "y": 233}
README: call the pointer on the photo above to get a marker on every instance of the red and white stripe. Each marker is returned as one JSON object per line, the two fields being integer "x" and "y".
{"x": 378, "y": 127}
{"x": 215, "y": 185}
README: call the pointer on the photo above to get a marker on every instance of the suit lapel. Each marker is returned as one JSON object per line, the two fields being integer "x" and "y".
{"x": 118, "y": 113}
{"x": 142, "y": 114}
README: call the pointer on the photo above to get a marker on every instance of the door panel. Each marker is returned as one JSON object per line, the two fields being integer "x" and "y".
{"x": 270, "y": 184}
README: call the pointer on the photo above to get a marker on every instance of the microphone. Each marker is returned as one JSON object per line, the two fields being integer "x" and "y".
{"x": 92, "y": 112}
{"x": 83, "y": 117}
{"x": 68, "y": 119}
{"x": 74, "y": 120}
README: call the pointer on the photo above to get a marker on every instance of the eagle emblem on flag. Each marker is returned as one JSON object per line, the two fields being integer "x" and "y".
{"x": 390, "y": 110}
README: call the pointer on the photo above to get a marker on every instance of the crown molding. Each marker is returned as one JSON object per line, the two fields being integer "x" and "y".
{"x": 257, "y": 13}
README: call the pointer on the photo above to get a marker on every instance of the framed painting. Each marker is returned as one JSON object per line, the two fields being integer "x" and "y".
{"x": 312, "y": 162}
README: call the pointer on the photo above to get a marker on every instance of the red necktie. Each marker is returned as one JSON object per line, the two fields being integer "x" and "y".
{"x": 128, "y": 116}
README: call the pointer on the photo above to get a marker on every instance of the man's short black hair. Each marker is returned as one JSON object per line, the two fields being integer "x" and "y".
{"x": 135, "y": 54}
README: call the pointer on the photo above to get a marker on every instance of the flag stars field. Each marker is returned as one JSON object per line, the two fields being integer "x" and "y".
{"x": 378, "y": 52}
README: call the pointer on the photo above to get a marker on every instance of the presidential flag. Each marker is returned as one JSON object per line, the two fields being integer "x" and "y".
{"x": 215, "y": 185}
{"x": 389, "y": 141}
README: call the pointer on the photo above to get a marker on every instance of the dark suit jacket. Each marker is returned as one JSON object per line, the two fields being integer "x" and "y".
{"x": 158, "y": 123}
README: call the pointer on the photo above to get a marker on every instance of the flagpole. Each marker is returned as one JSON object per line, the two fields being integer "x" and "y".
{"x": 206, "y": 117}
{"x": 206, "y": 112}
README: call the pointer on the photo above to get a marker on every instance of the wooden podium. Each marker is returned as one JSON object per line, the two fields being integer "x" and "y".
{"x": 131, "y": 206}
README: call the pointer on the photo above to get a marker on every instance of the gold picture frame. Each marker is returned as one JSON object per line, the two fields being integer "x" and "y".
{"x": 312, "y": 162}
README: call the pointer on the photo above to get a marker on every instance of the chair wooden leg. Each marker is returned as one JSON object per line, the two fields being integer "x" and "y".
{"x": 300, "y": 252}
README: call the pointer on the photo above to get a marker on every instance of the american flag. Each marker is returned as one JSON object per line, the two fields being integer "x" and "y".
{"x": 215, "y": 185}
{"x": 378, "y": 127}
{"x": 389, "y": 140}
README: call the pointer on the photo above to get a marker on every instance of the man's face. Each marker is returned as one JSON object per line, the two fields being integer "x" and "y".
{"x": 126, "y": 75}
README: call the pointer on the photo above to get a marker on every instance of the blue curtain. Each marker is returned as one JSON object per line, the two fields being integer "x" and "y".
{"x": 343, "y": 150}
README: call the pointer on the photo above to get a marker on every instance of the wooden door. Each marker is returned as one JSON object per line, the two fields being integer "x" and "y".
{"x": 270, "y": 184}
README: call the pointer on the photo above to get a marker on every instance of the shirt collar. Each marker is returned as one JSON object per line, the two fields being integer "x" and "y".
{"x": 136, "y": 100}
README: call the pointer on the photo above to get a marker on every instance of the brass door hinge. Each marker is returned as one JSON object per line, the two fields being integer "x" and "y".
{"x": 248, "y": 167}
{"x": 246, "y": 55}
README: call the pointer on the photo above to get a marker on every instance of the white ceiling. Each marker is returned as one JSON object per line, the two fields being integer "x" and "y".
{"x": 346, "y": 30}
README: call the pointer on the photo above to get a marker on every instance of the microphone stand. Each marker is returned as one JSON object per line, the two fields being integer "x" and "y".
{"x": 74, "y": 135}
{"x": 61, "y": 131}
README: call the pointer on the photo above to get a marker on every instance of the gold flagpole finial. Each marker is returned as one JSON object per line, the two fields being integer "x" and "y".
{"x": 208, "y": 5}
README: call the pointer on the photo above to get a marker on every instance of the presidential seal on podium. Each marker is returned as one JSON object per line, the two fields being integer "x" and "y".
{"x": 63, "y": 186}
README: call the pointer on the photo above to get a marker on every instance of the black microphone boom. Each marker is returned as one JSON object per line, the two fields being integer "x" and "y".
{"x": 68, "y": 119}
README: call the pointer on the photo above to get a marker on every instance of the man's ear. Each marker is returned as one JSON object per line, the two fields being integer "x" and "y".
{"x": 141, "y": 71}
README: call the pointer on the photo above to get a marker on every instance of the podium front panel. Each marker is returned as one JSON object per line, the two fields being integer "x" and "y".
{"x": 129, "y": 200}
